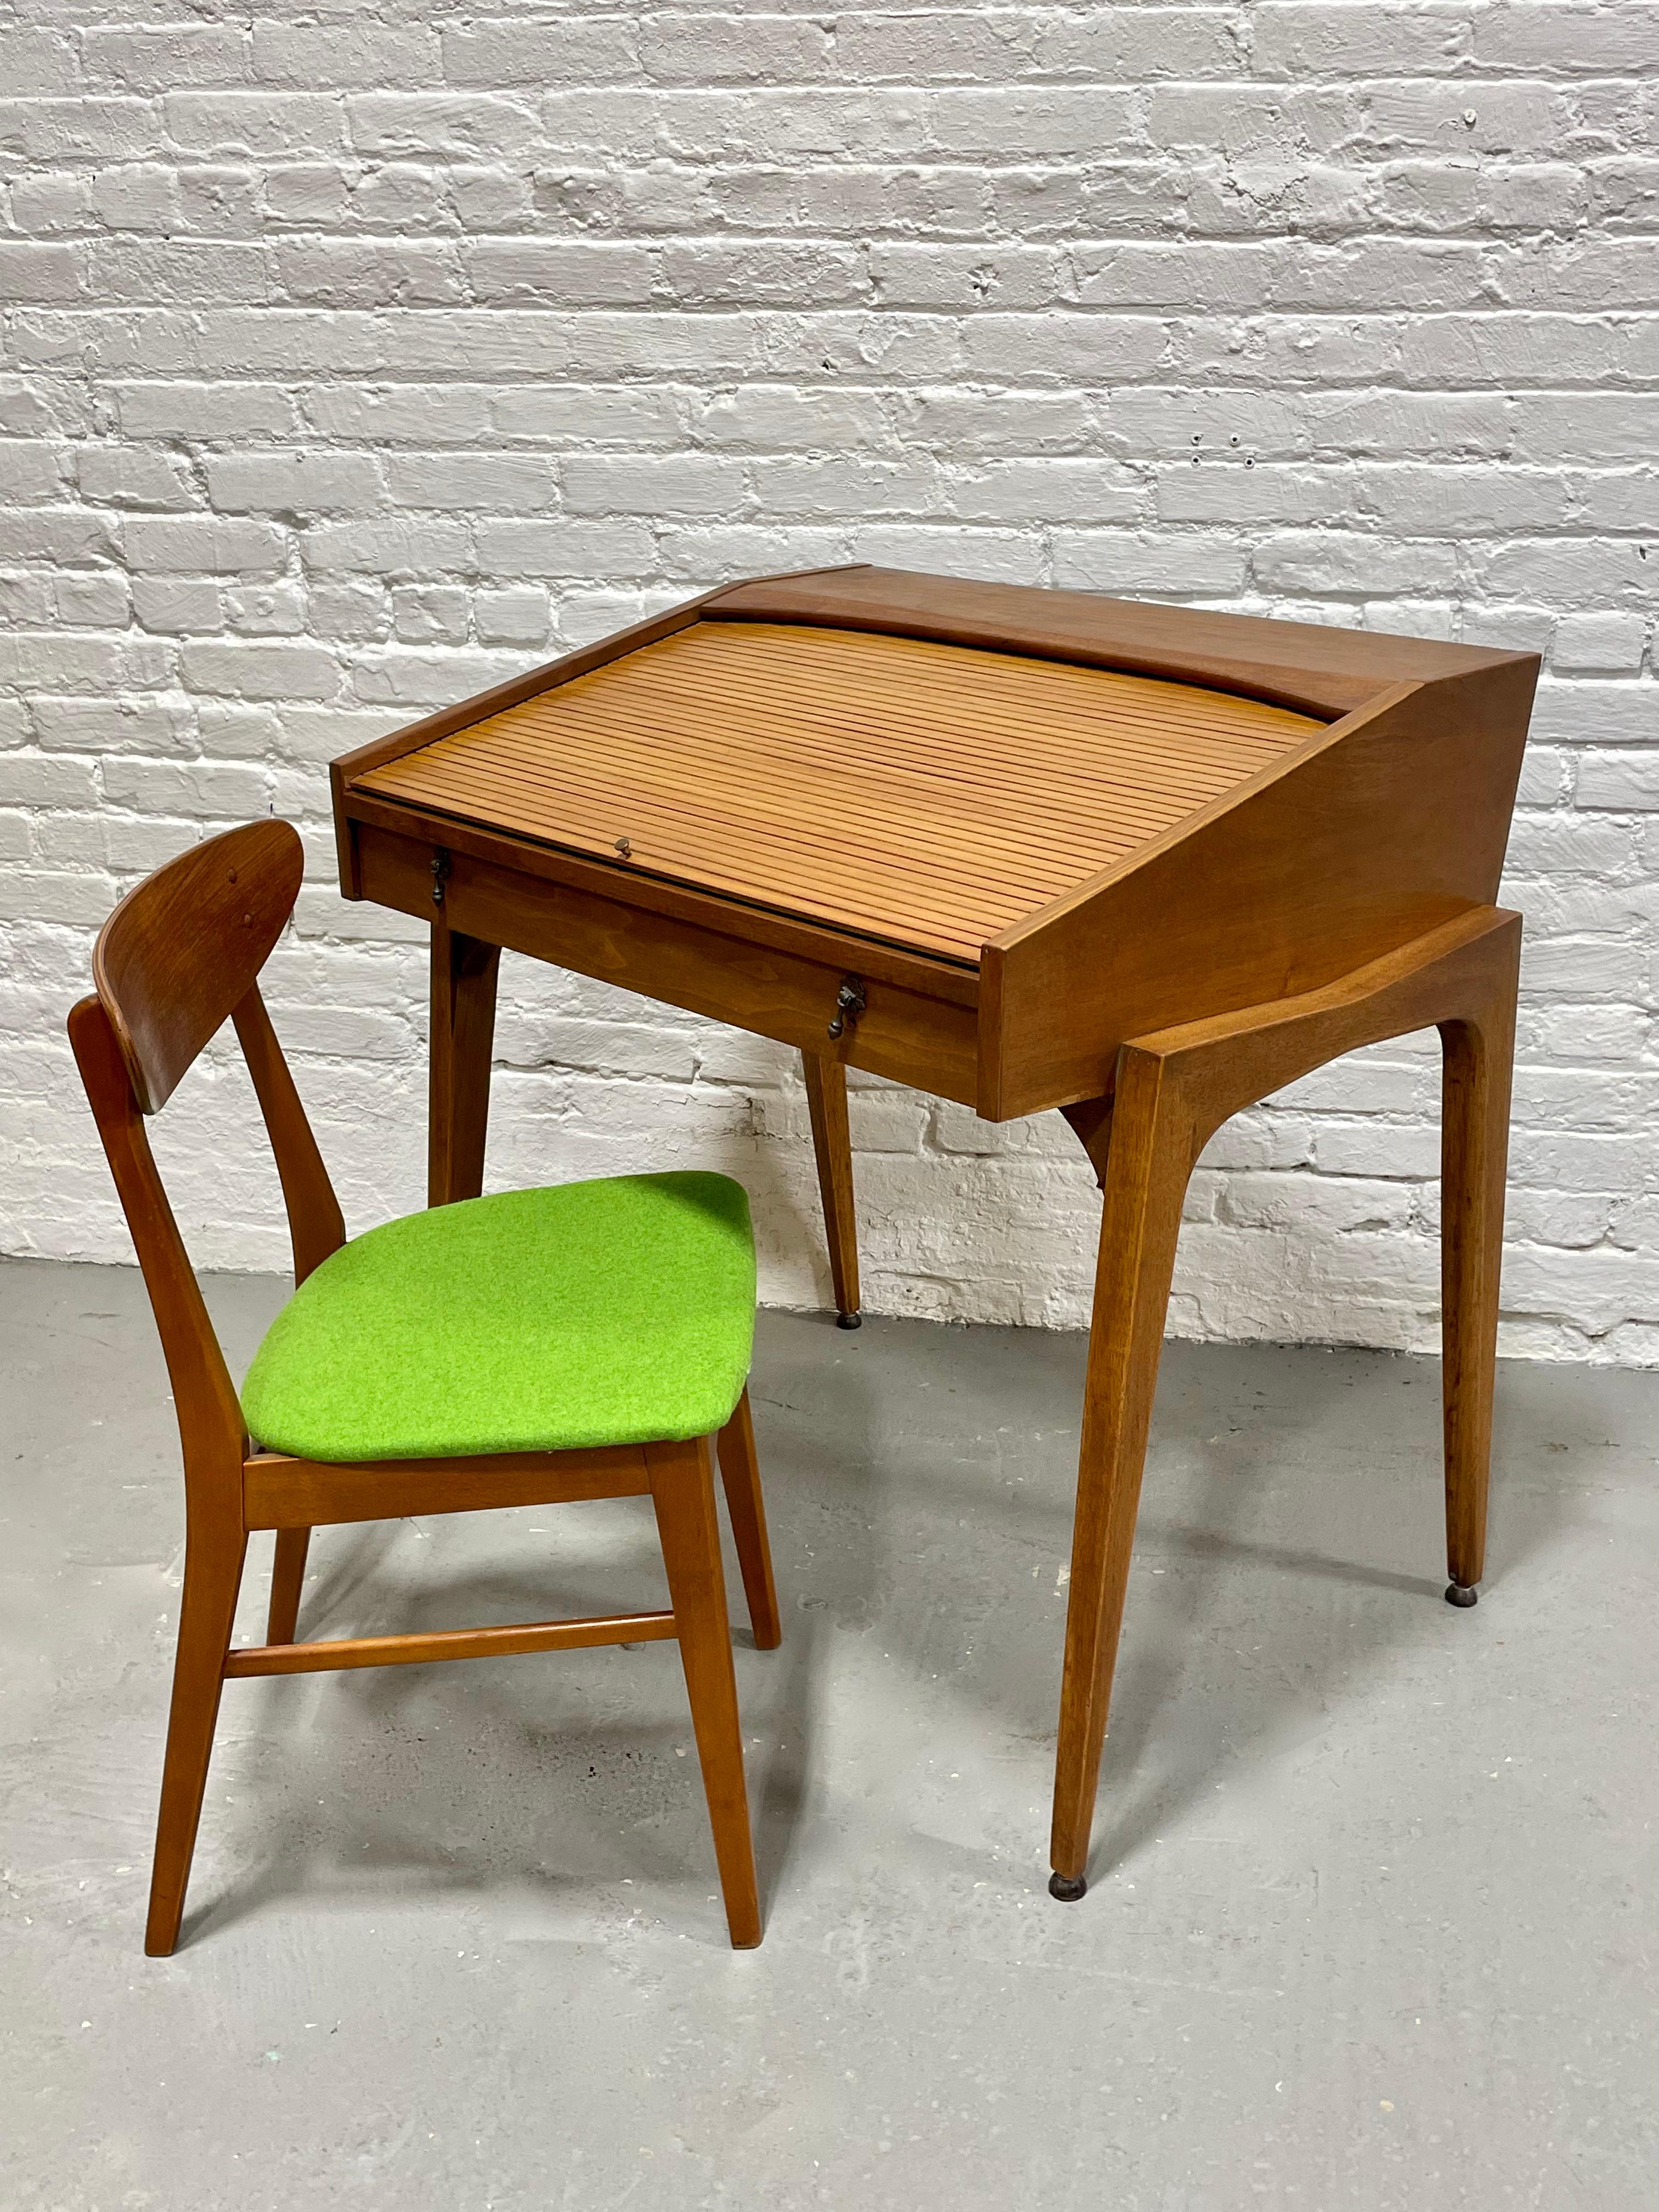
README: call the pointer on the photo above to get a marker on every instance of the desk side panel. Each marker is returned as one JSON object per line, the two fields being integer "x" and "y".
{"x": 1384, "y": 830}
{"x": 906, "y": 1035}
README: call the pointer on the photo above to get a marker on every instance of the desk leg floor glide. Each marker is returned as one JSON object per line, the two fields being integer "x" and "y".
{"x": 1173, "y": 1093}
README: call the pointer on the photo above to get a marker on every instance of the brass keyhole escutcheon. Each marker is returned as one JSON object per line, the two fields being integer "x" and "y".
{"x": 849, "y": 1004}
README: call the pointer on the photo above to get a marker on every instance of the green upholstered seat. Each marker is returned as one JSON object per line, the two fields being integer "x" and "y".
{"x": 611, "y": 1312}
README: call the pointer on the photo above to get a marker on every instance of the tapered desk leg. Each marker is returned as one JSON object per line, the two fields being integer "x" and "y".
{"x": 832, "y": 1143}
{"x": 1474, "y": 1130}
{"x": 464, "y": 971}
{"x": 1147, "y": 1166}
{"x": 1173, "y": 1093}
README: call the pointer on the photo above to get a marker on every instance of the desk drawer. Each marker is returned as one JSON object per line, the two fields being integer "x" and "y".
{"x": 905, "y": 1034}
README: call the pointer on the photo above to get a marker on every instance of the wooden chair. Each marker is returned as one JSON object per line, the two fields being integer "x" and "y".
{"x": 658, "y": 1331}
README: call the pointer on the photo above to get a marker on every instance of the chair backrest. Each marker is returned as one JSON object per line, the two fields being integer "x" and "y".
{"x": 179, "y": 955}
{"x": 176, "y": 958}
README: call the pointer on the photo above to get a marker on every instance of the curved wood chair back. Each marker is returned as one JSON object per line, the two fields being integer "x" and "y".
{"x": 179, "y": 955}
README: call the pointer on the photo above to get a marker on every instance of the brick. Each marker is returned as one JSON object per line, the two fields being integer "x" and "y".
{"x": 711, "y": 49}
{"x": 91, "y": 602}
{"x": 31, "y": 474}
{"x": 41, "y": 894}
{"x": 1306, "y": 40}
{"x": 432, "y": 678}
{"x": 32, "y": 62}
{"x": 137, "y": 196}
{"x": 509, "y": 52}
{"x": 1128, "y": 563}
{"x": 1590, "y": 710}
{"x": 1059, "y": 349}
{"x": 398, "y": 414}
{"x": 184, "y": 788}
{"x": 489, "y": 484}
{"x": 39, "y": 273}
{"x": 1626, "y": 782}
{"x": 390, "y": 547}
{"x": 203, "y": 545}
{"x": 46, "y": 204}
{"x": 1560, "y": 41}
{"x": 1065, "y": 490}
{"x": 511, "y": 617}
{"x": 161, "y": 60}
{"x": 685, "y": 484}
{"x": 265, "y": 610}
{"x": 355, "y": 612}
{"x": 99, "y": 726}
{"x": 299, "y": 57}
{"x": 557, "y": 273}
{"x": 132, "y": 475}
{"x": 215, "y": 412}
{"x": 219, "y": 200}
{"x": 293, "y": 483}
{"x": 262, "y": 671}
{"x": 254, "y": 122}
{"x": 121, "y": 270}
{"x": 1015, "y": 123}
{"x": 430, "y": 613}
{"x": 176, "y": 604}
{"x": 369, "y": 273}
{"x": 440, "y": 126}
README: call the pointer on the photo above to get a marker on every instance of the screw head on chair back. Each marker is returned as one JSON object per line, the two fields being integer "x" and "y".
{"x": 181, "y": 951}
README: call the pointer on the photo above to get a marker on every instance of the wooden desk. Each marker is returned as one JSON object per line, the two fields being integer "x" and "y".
{"x": 1024, "y": 849}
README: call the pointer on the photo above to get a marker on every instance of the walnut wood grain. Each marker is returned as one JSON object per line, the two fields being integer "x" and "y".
{"x": 908, "y": 1034}
{"x": 1385, "y": 826}
{"x": 464, "y": 970}
{"x": 683, "y": 1491}
{"x": 832, "y": 1148}
{"x": 350, "y": 766}
{"x": 511, "y": 1641}
{"x": 898, "y": 787}
{"x": 282, "y": 1492}
{"x": 1307, "y": 666}
{"x": 425, "y": 833}
{"x": 182, "y": 948}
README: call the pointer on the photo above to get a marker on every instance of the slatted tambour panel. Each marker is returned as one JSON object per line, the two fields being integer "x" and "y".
{"x": 928, "y": 794}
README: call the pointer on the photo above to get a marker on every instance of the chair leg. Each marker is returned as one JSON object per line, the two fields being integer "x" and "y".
{"x": 287, "y": 1575}
{"x": 1147, "y": 1166}
{"x": 740, "y": 1474}
{"x": 213, "y": 1575}
{"x": 1480, "y": 1055}
{"x": 683, "y": 1490}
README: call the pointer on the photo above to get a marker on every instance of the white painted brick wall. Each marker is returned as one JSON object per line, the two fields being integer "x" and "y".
{"x": 358, "y": 356}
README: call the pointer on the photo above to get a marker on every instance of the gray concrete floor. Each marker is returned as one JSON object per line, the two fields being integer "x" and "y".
{"x": 1372, "y": 1915}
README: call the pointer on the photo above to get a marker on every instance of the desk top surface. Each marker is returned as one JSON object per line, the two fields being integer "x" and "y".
{"x": 926, "y": 794}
